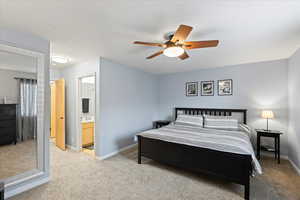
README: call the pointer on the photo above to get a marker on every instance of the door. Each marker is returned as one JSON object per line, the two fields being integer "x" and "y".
{"x": 53, "y": 113}
{"x": 60, "y": 113}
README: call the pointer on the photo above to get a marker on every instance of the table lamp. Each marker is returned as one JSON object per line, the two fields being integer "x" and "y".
{"x": 267, "y": 114}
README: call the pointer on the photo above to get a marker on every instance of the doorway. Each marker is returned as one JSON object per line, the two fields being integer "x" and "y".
{"x": 57, "y": 133}
{"x": 87, "y": 114}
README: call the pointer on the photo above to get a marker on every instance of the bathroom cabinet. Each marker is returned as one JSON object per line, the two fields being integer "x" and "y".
{"x": 87, "y": 134}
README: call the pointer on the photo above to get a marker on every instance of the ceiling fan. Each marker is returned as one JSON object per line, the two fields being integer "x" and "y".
{"x": 176, "y": 46}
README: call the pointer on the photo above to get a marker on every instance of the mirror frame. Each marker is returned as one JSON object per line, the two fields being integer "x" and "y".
{"x": 40, "y": 175}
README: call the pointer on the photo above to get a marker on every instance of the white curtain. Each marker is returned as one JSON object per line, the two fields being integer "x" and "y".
{"x": 27, "y": 109}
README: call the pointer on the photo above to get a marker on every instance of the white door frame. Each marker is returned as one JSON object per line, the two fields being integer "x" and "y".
{"x": 78, "y": 106}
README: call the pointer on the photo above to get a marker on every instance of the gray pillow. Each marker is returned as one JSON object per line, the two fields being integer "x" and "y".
{"x": 220, "y": 122}
{"x": 196, "y": 120}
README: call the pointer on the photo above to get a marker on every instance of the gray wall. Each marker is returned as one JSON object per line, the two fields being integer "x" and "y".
{"x": 294, "y": 108}
{"x": 71, "y": 74}
{"x": 128, "y": 104}
{"x": 9, "y": 85}
{"x": 256, "y": 86}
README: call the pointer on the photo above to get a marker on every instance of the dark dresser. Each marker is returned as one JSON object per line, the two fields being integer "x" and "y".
{"x": 8, "y": 123}
{"x": 1, "y": 191}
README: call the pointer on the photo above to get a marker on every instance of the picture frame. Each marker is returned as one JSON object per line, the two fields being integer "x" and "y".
{"x": 225, "y": 87}
{"x": 191, "y": 89}
{"x": 207, "y": 88}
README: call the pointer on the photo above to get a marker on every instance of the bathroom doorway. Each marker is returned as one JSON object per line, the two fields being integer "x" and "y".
{"x": 87, "y": 114}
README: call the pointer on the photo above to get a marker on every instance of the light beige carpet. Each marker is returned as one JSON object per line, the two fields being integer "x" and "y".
{"x": 16, "y": 159}
{"x": 283, "y": 177}
{"x": 78, "y": 176}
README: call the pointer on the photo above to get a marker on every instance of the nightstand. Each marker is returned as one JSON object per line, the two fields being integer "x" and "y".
{"x": 269, "y": 133}
{"x": 160, "y": 123}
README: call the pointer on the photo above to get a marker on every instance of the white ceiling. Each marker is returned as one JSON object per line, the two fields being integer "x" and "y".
{"x": 248, "y": 30}
{"x": 16, "y": 62}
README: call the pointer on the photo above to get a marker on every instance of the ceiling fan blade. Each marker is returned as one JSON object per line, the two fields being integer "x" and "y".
{"x": 183, "y": 56}
{"x": 182, "y": 33}
{"x": 156, "y": 54}
{"x": 149, "y": 44}
{"x": 200, "y": 44}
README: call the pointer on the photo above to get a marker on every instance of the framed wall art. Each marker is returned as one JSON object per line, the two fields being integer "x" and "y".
{"x": 225, "y": 87}
{"x": 207, "y": 88}
{"x": 191, "y": 89}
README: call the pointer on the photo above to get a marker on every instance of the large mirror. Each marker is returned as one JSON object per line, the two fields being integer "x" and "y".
{"x": 18, "y": 114}
{"x": 24, "y": 111}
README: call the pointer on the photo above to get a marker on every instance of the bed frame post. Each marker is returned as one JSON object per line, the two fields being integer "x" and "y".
{"x": 247, "y": 189}
{"x": 139, "y": 150}
{"x": 245, "y": 116}
{"x": 248, "y": 171}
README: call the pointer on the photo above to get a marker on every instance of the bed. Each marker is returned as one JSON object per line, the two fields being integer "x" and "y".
{"x": 168, "y": 149}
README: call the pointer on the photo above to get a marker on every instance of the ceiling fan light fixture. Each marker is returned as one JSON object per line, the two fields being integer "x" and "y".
{"x": 176, "y": 44}
{"x": 173, "y": 51}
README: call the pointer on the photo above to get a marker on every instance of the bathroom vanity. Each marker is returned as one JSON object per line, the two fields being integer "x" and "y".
{"x": 87, "y": 133}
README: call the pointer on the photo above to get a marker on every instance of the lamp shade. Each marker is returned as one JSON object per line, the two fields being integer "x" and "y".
{"x": 267, "y": 114}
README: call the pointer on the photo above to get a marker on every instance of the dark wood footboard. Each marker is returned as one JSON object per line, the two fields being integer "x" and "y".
{"x": 232, "y": 167}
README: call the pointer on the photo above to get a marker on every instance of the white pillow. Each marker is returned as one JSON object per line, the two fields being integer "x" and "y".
{"x": 220, "y": 122}
{"x": 190, "y": 120}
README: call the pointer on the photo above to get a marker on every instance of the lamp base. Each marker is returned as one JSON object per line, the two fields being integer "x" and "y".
{"x": 267, "y": 125}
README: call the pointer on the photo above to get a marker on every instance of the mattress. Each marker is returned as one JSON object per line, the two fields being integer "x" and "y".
{"x": 233, "y": 141}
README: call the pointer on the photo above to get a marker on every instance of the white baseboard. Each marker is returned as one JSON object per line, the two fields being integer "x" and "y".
{"x": 116, "y": 152}
{"x": 295, "y": 166}
{"x": 26, "y": 187}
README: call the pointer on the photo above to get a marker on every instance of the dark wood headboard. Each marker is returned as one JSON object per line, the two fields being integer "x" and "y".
{"x": 212, "y": 111}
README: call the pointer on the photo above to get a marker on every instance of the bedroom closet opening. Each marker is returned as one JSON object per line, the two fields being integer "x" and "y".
{"x": 87, "y": 112}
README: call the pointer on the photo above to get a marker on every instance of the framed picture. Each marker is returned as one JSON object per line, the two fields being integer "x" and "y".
{"x": 207, "y": 88}
{"x": 191, "y": 89}
{"x": 225, "y": 87}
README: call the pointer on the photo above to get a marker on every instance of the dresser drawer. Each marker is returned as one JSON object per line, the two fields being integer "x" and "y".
{"x": 9, "y": 131}
{"x": 8, "y": 112}
{"x": 6, "y": 139}
{"x": 7, "y": 123}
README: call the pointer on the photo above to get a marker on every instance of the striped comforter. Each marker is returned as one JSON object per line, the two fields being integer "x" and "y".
{"x": 222, "y": 140}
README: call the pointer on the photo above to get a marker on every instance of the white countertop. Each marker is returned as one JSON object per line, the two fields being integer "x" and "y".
{"x": 87, "y": 119}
